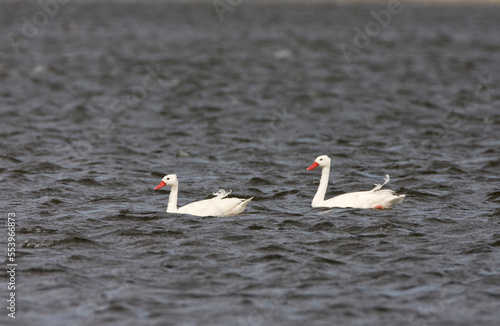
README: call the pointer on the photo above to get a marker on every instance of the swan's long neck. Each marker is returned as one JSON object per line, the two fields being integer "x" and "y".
{"x": 172, "y": 199}
{"x": 323, "y": 184}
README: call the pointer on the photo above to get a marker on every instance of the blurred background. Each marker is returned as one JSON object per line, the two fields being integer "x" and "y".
{"x": 100, "y": 99}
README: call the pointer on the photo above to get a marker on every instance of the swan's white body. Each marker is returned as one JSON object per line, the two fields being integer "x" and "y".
{"x": 220, "y": 205}
{"x": 376, "y": 198}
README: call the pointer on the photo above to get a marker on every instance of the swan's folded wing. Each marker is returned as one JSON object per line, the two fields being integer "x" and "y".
{"x": 198, "y": 208}
{"x": 352, "y": 199}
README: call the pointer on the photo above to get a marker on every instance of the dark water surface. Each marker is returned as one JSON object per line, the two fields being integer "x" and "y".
{"x": 101, "y": 100}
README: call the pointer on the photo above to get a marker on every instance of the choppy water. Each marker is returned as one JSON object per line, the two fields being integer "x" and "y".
{"x": 103, "y": 99}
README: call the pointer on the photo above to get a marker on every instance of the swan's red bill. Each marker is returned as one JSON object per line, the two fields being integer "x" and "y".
{"x": 313, "y": 166}
{"x": 161, "y": 185}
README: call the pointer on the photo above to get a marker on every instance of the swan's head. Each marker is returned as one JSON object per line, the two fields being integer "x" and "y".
{"x": 168, "y": 180}
{"x": 321, "y": 161}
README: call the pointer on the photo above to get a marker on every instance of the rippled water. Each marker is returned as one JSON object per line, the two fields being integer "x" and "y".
{"x": 103, "y": 99}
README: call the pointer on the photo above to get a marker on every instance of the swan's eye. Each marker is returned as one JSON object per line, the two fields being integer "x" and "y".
{"x": 168, "y": 178}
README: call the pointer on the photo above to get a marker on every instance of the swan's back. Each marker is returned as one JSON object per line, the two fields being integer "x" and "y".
{"x": 216, "y": 206}
{"x": 383, "y": 198}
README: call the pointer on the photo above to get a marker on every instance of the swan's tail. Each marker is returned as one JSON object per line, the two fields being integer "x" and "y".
{"x": 379, "y": 186}
{"x": 240, "y": 207}
{"x": 222, "y": 193}
{"x": 396, "y": 198}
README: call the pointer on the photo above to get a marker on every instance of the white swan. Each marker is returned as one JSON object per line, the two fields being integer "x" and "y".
{"x": 376, "y": 198}
{"x": 217, "y": 206}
